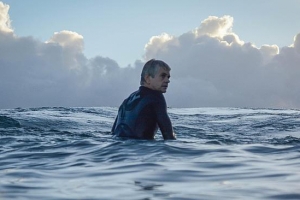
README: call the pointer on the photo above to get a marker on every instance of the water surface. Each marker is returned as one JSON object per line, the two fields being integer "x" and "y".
{"x": 220, "y": 153}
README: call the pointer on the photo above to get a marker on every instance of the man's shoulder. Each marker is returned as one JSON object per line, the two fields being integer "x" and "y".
{"x": 144, "y": 96}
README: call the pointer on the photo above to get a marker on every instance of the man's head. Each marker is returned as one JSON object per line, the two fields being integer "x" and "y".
{"x": 155, "y": 75}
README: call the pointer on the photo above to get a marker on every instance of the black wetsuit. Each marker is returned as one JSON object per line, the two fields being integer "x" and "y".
{"x": 141, "y": 114}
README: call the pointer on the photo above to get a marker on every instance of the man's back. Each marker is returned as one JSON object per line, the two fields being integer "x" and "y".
{"x": 140, "y": 115}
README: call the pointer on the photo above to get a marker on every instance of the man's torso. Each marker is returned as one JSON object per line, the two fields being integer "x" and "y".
{"x": 137, "y": 116}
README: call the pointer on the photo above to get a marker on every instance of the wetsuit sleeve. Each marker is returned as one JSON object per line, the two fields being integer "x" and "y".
{"x": 114, "y": 126}
{"x": 163, "y": 120}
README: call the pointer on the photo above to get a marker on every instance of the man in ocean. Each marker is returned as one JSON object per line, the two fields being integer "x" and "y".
{"x": 145, "y": 110}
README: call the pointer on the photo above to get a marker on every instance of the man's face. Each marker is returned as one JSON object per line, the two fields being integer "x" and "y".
{"x": 160, "y": 81}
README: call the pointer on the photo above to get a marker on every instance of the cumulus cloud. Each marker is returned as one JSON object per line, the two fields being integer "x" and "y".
{"x": 57, "y": 73}
{"x": 4, "y": 18}
{"x": 211, "y": 66}
{"x": 296, "y": 44}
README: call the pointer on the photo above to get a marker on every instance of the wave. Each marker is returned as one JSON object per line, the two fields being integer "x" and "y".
{"x": 194, "y": 125}
{"x": 70, "y": 154}
{"x": 8, "y": 122}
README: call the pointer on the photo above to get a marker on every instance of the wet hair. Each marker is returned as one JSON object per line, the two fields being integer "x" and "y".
{"x": 151, "y": 68}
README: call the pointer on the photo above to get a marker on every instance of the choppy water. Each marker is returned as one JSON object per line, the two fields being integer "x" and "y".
{"x": 220, "y": 153}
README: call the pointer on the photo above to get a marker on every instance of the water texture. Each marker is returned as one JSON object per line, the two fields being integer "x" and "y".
{"x": 220, "y": 153}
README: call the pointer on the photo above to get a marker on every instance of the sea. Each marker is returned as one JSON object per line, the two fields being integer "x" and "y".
{"x": 66, "y": 153}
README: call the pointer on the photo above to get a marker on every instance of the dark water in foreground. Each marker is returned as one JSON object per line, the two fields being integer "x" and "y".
{"x": 220, "y": 153}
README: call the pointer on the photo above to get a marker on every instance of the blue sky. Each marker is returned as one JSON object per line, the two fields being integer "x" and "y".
{"x": 90, "y": 53}
{"x": 120, "y": 29}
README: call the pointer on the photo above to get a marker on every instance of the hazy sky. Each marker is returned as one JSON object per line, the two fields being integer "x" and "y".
{"x": 90, "y": 53}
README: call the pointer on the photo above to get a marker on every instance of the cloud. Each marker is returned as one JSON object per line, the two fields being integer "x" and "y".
{"x": 211, "y": 66}
{"x": 57, "y": 73}
{"x": 4, "y": 18}
{"x": 296, "y": 44}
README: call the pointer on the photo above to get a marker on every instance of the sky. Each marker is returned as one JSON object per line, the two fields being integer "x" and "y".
{"x": 90, "y": 53}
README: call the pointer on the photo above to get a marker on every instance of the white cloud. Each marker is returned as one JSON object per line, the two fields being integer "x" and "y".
{"x": 268, "y": 52}
{"x": 159, "y": 43}
{"x": 4, "y": 18}
{"x": 57, "y": 73}
{"x": 72, "y": 46}
{"x": 297, "y": 42}
{"x": 211, "y": 66}
{"x": 215, "y": 26}
{"x": 68, "y": 39}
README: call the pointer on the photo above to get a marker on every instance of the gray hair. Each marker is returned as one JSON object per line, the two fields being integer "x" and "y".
{"x": 151, "y": 68}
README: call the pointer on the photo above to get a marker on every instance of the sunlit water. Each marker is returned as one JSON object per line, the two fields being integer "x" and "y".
{"x": 220, "y": 153}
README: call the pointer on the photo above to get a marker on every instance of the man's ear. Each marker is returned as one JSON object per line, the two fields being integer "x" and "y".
{"x": 147, "y": 79}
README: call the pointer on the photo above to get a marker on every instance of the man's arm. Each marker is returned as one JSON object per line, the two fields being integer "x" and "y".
{"x": 114, "y": 126}
{"x": 166, "y": 128}
{"x": 163, "y": 120}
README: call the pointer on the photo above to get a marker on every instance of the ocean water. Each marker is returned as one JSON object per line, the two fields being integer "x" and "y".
{"x": 220, "y": 153}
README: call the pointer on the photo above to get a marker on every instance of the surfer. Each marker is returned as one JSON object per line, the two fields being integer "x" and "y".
{"x": 145, "y": 110}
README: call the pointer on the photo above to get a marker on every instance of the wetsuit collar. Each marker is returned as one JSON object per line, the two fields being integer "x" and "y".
{"x": 143, "y": 88}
